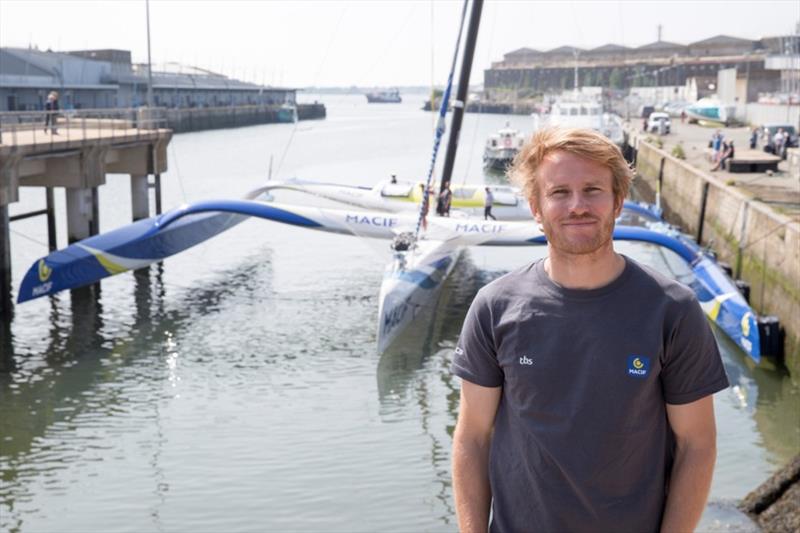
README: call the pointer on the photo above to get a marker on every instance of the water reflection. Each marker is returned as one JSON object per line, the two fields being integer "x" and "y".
{"x": 416, "y": 368}
{"x": 82, "y": 375}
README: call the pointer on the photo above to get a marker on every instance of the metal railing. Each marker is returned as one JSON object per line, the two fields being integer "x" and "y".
{"x": 49, "y": 127}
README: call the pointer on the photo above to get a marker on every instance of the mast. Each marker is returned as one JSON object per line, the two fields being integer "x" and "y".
{"x": 461, "y": 94}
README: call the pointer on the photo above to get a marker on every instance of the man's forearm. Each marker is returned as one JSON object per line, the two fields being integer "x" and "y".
{"x": 471, "y": 485}
{"x": 688, "y": 488}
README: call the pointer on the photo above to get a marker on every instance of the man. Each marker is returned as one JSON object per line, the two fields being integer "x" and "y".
{"x": 716, "y": 145}
{"x": 51, "y": 106}
{"x": 445, "y": 200}
{"x": 488, "y": 202}
{"x": 586, "y": 378}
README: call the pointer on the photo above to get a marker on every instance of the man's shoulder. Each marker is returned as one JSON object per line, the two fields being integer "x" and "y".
{"x": 509, "y": 286}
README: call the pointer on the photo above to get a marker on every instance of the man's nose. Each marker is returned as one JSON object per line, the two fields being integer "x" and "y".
{"x": 578, "y": 203}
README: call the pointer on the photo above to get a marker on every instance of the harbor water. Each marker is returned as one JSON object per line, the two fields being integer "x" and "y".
{"x": 236, "y": 386}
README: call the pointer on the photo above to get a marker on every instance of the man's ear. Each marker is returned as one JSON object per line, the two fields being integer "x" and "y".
{"x": 537, "y": 213}
{"x": 618, "y": 203}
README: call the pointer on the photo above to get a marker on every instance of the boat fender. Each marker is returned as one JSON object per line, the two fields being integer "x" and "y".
{"x": 772, "y": 336}
{"x": 744, "y": 288}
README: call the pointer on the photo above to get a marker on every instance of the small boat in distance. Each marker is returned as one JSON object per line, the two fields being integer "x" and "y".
{"x": 710, "y": 111}
{"x": 387, "y": 96}
{"x": 502, "y": 147}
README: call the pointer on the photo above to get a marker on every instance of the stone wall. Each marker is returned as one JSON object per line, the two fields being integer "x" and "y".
{"x": 181, "y": 120}
{"x": 762, "y": 246}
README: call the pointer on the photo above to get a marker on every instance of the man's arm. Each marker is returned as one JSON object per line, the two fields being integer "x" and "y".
{"x": 471, "y": 442}
{"x": 696, "y": 451}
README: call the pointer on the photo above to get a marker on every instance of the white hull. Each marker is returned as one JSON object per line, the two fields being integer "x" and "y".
{"x": 411, "y": 284}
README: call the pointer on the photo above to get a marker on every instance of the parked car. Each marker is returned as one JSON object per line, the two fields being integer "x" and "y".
{"x": 654, "y": 122}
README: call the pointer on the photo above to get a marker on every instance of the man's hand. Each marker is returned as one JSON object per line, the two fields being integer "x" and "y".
{"x": 696, "y": 451}
{"x": 471, "y": 442}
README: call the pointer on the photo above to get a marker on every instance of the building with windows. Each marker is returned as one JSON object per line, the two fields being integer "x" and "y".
{"x": 89, "y": 79}
{"x": 526, "y": 71}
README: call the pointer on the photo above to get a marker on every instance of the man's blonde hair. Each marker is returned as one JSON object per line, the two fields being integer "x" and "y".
{"x": 584, "y": 143}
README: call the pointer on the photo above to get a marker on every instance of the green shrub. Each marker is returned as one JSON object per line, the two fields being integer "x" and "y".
{"x": 677, "y": 152}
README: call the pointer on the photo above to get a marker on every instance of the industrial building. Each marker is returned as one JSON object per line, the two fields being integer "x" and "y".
{"x": 96, "y": 79}
{"x": 763, "y": 64}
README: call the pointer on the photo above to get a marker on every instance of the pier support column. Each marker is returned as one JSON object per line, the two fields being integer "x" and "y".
{"x": 81, "y": 211}
{"x": 6, "y": 305}
{"x": 52, "y": 242}
{"x": 157, "y": 185}
{"x": 140, "y": 197}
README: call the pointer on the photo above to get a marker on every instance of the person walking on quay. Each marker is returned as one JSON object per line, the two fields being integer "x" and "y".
{"x": 488, "y": 202}
{"x": 586, "y": 378}
{"x": 753, "y": 138}
{"x": 779, "y": 141}
{"x": 51, "y": 108}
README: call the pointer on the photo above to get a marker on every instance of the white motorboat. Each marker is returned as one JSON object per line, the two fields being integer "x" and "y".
{"x": 502, "y": 147}
{"x": 573, "y": 110}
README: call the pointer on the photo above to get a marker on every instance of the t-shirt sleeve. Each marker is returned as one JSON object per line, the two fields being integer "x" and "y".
{"x": 692, "y": 366}
{"x": 475, "y": 358}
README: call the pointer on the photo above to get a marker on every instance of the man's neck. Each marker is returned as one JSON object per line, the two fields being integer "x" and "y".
{"x": 584, "y": 271}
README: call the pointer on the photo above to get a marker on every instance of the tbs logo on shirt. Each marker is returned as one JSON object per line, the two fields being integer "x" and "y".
{"x": 638, "y": 366}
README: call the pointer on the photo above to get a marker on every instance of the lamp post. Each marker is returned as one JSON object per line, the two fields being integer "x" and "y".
{"x": 149, "y": 62}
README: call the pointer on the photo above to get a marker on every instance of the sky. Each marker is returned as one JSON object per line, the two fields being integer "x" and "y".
{"x": 368, "y": 43}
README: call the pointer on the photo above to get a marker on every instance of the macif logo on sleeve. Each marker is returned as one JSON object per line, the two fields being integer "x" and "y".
{"x": 638, "y": 366}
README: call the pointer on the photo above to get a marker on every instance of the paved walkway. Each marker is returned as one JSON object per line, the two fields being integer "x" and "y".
{"x": 780, "y": 190}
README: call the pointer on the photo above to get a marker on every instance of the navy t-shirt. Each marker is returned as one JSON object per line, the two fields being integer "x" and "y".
{"x": 581, "y": 439}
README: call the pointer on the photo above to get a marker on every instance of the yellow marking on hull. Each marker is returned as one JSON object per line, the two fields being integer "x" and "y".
{"x": 109, "y": 265}
{"x": 714, "y": 312}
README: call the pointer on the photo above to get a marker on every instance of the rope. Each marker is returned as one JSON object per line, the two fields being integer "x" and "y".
{"x": 440, "y": 126}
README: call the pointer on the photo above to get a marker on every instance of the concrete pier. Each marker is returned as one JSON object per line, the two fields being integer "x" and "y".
{"x": 759, "y": 237}
{"x": 140, "y": 197}
{"x": 86, "y": 148}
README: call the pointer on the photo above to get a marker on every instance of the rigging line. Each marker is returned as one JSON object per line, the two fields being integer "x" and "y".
{"x": 767, "y": 234}
{"x": 440, "y": 127}
{"x": 178, "y": 171}
{"x": 315, "y": 80}
{"x": 391, "y": 42}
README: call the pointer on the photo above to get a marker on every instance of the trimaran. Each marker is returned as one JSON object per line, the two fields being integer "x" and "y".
{"x": 421, "y": 258}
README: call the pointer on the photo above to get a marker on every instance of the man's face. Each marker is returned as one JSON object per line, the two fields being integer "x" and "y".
{"x": 576, "y": 206}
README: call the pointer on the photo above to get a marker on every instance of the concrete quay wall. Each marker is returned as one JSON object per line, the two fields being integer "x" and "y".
{"x": 181, "y": 120}
{"x": 762, "y": 246}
